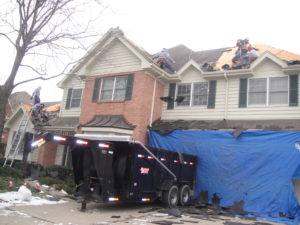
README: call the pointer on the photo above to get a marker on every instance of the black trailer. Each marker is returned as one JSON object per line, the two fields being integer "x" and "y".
{"x": 117, "y": 169}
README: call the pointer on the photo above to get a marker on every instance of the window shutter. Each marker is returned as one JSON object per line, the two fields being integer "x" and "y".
{"x": 129, "y": 87}
{"x": 293, "y": 90}
{"x": 172, "y": 88}
{"x": 68, "y": 102}
{"x": 243, "y": 93}
{"x": 96, "y": 90}
{"x": 212, "y": 94}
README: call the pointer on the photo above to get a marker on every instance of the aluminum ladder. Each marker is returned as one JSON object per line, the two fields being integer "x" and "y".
{"x": 17, "y": 139}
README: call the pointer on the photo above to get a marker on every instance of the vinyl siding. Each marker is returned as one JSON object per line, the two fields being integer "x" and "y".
{"x": 59, "y": 155}
{"x": 196, "y": 112}
{"x": 116, "y": 59}
{"x": 74, "y": 83}
{"x": 266, "y": 69}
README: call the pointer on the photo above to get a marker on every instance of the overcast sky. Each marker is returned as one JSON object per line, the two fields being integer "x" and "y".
{"x": 198, "y": 24}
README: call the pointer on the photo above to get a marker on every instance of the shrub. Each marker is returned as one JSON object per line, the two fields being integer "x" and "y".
{"x": 10, "y": 172}
{"x": 60, "y": 172}
{"x": 68, "y": 185}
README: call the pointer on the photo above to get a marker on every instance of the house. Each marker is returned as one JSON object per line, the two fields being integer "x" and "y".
{"x": 14, "y": 101}
{"x": 22, "y": 114}
{"x": 116, "y": 89}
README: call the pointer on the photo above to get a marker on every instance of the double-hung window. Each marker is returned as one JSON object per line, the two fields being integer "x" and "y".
{"x": 268, "y": 91}
{"x": 195, "y": 94}
{"x": 113, "y": 88}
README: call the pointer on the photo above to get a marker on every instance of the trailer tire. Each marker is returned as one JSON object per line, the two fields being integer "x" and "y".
{"x": 170, "y": 197}
{"x": 184, "y": 194}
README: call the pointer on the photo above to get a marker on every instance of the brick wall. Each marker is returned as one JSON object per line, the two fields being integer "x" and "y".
{"x": 46, "y": 154}
{"x": 137, "y": 111}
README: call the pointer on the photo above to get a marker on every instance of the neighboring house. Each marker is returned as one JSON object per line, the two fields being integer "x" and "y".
{"x": 12, "y": 124}
{"x": 14, "y": 101}
{"x": 116, "y": 89}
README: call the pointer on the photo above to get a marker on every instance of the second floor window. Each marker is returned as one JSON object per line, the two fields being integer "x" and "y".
{"x": 268, "y": 91}
{"x": 195, "y": 94}
{"x": 113, "y": 88}
{"x": 76, "y": 98}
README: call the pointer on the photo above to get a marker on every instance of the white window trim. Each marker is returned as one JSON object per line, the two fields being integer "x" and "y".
{"x": 268, "y": 91}
{"x": 191, "y": 96}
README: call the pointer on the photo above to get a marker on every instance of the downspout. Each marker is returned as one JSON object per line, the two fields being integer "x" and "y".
{"x": 152, "y": 105}
{"x": 226, "y": 96}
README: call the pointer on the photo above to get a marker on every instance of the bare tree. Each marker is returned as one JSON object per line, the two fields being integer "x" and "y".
{"x": 49, "y": 29}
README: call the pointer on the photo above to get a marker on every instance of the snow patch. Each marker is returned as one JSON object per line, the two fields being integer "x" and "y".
{"x": 13, "y": 199}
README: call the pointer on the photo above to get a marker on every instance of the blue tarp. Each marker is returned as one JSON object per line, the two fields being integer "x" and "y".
{"x": 257, "y": 167}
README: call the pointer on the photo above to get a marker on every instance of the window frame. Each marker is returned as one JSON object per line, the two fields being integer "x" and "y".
{"x": 268, "y": 92}
{"x": 113, "y": 89}
{"x": 191, "y": 95}
{"x": 72, "y": 98}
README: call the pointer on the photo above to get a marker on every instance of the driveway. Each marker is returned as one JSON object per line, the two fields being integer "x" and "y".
{"x": 69, "y": 213}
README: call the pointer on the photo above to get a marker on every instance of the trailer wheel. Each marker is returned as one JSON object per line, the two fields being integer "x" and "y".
{"x": 184, "y": 194}
{"x": 170, "y": 197}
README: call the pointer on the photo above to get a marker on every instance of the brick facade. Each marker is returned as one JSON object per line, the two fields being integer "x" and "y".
{"x": 137, "y": 111}
{"x": 47, "y": 154}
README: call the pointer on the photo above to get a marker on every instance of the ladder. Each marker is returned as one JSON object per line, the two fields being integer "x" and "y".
{"x": 17, "y": 139}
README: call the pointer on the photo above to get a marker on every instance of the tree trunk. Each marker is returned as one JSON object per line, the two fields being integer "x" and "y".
{"x": 4, "y": 94}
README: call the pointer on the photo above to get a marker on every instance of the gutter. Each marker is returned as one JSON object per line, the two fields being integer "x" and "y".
{"x": 152, "y": 104}
{"x": 226, "y": 96}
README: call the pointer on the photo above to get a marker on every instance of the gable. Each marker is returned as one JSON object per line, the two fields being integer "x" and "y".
{"x": 191, "y": 74}
{"x": 115, "y": 58}
{"x": 267, "y": 66}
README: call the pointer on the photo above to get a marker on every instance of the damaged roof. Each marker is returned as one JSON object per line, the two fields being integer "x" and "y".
{"x": 116, "y": 121}
{"x": 167, "y": 126}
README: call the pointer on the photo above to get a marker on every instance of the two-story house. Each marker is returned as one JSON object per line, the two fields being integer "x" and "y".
{"x": 116, "y": 88}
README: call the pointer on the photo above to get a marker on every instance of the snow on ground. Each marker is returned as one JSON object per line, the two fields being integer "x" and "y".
{"x": 13, "y": 199}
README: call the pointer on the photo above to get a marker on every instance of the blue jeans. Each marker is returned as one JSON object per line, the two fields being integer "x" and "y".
{"x": 36, "y": 100}
{"x": 167, "y": 65}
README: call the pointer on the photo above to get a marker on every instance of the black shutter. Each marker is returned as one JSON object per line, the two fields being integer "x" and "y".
{"x": 293, "y": 90}
{"x": 172, "y": 88}
{"x": 243, "y": 93}
{"x": 212, "y": 94}
{"x": 95, "y": 97}
{"x": 68, "y": 102}
{"x": 129, "y": 87}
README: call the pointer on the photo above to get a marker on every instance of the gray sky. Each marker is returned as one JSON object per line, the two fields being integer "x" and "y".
{"x": 198, "y": 24}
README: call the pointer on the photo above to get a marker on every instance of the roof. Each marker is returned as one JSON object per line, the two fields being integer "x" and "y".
{"x": 18, "y": 98}
{"x": 68, "y": 122}
{"x": 167, "y": 126}
{"x": 116, "y": 121}
{"x": 226, "y": 57}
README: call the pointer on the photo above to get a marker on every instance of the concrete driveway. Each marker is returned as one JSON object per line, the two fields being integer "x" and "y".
{"x": 69, "y": 214}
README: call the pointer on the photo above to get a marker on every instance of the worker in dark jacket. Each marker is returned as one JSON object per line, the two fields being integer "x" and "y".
{"x": 36, "y": 95}
{"x": 164, "y": 60}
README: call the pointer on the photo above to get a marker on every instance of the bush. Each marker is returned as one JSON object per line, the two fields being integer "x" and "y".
{"x": 10, "y": 172}
{"x": 67, "y": 185}
{"x": 60, "y": 172}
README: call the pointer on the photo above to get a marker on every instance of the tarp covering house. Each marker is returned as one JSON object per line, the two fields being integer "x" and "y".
{"x": 256, "y": 167}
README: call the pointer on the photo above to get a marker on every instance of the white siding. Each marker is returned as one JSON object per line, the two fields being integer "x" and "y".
{"x": 59, "y": 155}
{"x": 266, "y": 69}
{"x": 74, "y": 83}
{"x": 116, "y": 59}
{"x": 14, "y": 128}
{"x": 189, "y": 113}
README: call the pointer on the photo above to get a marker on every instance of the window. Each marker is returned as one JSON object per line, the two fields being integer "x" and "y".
{"x": 268, "y": 91}
{"x": 278, "y": 90}
{"x": 200, "y": 94}
{"x": 195, "y": 94}
{"x": 76, "y": 98}
{"x": 113, "y": 88}
{"x": 257, "y": 91}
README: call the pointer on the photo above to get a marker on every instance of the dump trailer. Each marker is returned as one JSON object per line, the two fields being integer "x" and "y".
{"x": 119, "y": 169}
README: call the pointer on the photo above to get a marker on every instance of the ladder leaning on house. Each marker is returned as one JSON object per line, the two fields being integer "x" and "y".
{"x": 17, "y": 140}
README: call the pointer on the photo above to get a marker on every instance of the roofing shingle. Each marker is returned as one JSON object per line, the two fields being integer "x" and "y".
{"x": 116, "y": 121}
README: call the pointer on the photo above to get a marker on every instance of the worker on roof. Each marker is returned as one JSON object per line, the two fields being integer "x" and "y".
{"x": 36, "y": 95}
{"x": 241, "y": 57}
{"x": 164, "y": 60}
{"x": 252, "y": 54}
